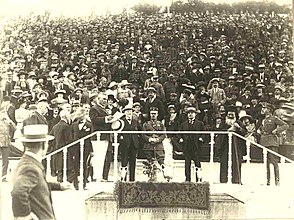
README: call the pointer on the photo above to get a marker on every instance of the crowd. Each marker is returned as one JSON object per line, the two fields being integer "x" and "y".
{"x": 56, "y": 71}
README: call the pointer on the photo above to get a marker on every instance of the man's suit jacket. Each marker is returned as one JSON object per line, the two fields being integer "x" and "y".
{"x": 244, "y": 100}
{"x": 97, "y": 115}
{"x": 86, "y": 130}
{"x": 31, "y": 192}
{"x": 217, "y": 97}
{"x": 35, "y": 119}
{"x": 63, "y": 136}
{"x": 156, "y": 103}
{"x": 11, "y": 113}
{"x": 125, "y": 139}
{"x": 191, "y": 139}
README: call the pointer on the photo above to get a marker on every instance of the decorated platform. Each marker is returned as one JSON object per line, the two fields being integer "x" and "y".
{"x": 145, "y": 200}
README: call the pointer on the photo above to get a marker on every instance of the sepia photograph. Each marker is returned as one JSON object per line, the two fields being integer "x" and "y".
{"x": 146, "y": 110}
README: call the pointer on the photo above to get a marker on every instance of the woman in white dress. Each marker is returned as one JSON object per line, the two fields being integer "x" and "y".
{"x": 21, "y": 114}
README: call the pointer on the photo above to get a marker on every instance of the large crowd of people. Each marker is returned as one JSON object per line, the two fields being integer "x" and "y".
{"x": 75, "y": 74}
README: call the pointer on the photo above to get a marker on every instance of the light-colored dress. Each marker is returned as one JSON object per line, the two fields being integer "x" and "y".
{"x": 20, "y": 115}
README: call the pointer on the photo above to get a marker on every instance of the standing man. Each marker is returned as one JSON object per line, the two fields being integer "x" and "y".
{"x": 153, "y": 101}
{"x": 31, "y": 193}
{"x": 62, "y": 132}
{"x": 192, "y": 143}
{"x": 269, "y": 129}
{"x": 153, "y": 147}
{"x": 81, "y": 128}
{"x": 129, "y": 144}
{"x": 238, "y": 146}
{"x": 102, "y": 149}
{"x": 38, "y": 117}
{"x": 218, "y": 95}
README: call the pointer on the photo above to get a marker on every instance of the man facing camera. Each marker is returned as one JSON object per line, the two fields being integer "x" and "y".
{"x": 102, "y": 149}
{"x": 129, "y": 144}
{"x": 192, "y": 143}
{"x": 153, "y": 147}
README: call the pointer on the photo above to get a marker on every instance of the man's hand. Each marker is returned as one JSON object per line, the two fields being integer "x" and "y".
{"x": 66, "y": 186}
{"x": 108, "y": 119}
{"x": 236, "y": 125}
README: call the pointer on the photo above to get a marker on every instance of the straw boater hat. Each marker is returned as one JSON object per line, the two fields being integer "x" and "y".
{"x": 36, "y": 133}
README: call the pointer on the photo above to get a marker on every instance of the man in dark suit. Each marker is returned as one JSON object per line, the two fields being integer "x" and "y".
{"x": 153, "y": 101}
{"x": 102, "y": 149}
{"x": 31, "y": 193}
{"x": 129, "y": 144}
{"x": 192, "y": 143}
{"x": 81, "y": 128}
{"x": 38, "y": 117}
{"x": 63, "y": 136}
{"x": 238, "y": 146}
{"x": 62, "y": 86}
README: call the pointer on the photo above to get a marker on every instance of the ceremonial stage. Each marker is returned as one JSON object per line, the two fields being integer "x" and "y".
{"x": 252, "y": 200}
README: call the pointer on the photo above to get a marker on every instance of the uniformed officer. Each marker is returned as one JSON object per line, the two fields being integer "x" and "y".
{"x": 270, "y": 127}
{"x": 153, "y": 147}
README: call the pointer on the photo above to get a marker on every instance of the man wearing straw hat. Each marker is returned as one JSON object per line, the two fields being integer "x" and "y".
{"x": 31, "y": 193}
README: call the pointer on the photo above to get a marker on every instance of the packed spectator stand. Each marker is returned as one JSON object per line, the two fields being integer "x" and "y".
{"x": 206, "y": 60}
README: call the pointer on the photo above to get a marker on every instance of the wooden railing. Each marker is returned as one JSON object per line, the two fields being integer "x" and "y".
{"x": 116, "y": 144}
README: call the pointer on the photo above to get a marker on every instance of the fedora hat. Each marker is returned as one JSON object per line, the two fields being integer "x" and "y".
{"x": 127, "y": 107}
{"x": 246, "y": 116}
{"x": 36, "y": 133}
{"x": 124, "y": 82}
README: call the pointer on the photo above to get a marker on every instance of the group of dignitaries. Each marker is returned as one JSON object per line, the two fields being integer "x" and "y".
{"x": 68, "y": 124}
{"x": 221, "y": 71}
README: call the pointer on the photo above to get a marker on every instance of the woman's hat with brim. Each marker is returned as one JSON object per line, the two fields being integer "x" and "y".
{"x": 36, "y": 133}
{"x": 111, "y": 97}
{"x": 112, "y": 84}
{"x": 22, "y": 72}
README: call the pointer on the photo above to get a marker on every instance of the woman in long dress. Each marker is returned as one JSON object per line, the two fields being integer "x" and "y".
{"x": 21, "y": 114}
